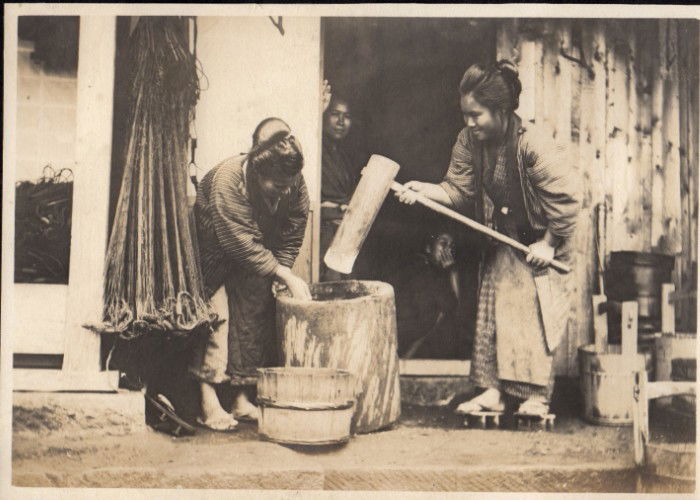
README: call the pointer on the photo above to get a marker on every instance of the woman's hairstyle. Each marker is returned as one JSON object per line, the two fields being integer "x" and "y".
{"x": 497, "y": 87}
{"x": 270, "y": 161}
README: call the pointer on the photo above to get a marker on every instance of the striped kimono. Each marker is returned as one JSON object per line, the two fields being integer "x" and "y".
{"x": 242, "y": 240}
{"x": 522, "y": 187}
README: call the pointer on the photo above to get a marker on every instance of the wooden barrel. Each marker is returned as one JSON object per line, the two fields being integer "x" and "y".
{"x": 350, "y": 325}
{"x": 672, "y": 346}
{"x": 667, "y": 348}
{"x": 305, "y": 406}
{"x": 671, "y": 460}
{"x": 606, "y": 384}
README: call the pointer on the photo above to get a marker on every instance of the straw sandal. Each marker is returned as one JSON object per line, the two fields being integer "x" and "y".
{"x": 161, "y": 416}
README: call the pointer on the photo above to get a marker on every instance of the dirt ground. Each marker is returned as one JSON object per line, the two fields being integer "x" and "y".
{"x": 80, "y": 440}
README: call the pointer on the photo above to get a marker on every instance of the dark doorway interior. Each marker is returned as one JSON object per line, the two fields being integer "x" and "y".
{"x": 401, "y": 76}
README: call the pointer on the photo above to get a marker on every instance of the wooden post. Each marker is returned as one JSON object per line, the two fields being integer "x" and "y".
{"x": 640, "y": 418}
{"x": 668, "y": 311}
{"x": 600, "y": 323}
{"x": 90, "y": 191}
{"x": 629, "y": 335}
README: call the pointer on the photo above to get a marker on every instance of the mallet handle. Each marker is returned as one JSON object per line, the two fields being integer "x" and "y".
{"x": 433, "y": 205}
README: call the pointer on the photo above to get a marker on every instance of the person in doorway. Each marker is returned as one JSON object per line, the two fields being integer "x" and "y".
{"x": 512, "y": 175}
{"x": 251, "y": 213}
{"x": 427, "y": 294}
{"x": 339, "y": 173}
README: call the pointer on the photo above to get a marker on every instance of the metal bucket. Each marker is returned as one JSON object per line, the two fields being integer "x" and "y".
{"x": 606, "y": 384}
{"x": 305, "y": 406}
{"x": 638, "y": 276}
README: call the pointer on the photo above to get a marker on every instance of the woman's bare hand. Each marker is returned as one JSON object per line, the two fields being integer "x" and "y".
{"x": 541, "y": 254}
{"x": 410, "y": 192}
{"x": 325, "y": 94}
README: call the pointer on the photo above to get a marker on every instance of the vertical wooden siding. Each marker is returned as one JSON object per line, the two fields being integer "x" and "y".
{"x": 624, "y": 94}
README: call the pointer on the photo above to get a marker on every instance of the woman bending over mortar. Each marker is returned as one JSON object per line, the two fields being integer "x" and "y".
{"x": 512, "y": 175}
{"x": 251, "y": 214}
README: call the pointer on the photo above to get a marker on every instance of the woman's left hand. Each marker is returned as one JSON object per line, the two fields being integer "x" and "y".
{"x": 541, "y": 254}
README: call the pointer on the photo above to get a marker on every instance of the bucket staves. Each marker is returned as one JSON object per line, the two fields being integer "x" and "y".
{"x": 305, "y": 406}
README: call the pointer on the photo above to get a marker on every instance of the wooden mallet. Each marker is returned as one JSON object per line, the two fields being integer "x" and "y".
{"x": 376, "y": 182}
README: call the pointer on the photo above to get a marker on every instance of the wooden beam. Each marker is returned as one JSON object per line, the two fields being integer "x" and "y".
{"x": 434, "y": 367}
{"x": 91, "y": 185}
{"x": 640, "y": 416}
{"x": 27, "y": 379}
{"x": 669, "y": 388}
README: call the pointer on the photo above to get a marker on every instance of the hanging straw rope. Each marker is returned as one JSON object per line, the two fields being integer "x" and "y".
{"x": 153, "y": 283}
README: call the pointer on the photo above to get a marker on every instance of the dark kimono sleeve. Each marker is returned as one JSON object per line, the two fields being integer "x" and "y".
{"x": 236, "y": 229}
{"x": 295, "y": 227}
{"x": 458, "y": 182}
{"x": 555, "y": 181}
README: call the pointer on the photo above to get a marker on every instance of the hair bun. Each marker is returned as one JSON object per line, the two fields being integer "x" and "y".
{"x": 509, "y": 72}
{"x": 507, "y": 66}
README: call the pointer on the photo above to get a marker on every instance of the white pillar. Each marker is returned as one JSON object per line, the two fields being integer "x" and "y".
{"x": 96, "y": 57}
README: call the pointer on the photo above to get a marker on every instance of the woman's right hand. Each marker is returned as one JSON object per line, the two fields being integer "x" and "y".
{"x": 297, "y": 286}
{"x": 409, "y": 195}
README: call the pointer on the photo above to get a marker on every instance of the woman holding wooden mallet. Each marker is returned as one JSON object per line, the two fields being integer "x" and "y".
{"x": 512, "y": 175}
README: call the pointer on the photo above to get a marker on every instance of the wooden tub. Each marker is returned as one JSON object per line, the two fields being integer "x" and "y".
{"x": 305, "y": 406}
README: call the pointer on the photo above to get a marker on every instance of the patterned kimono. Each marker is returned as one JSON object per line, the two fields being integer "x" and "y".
{"x": 242, "y": 240}
{"x": 522, "y": 187}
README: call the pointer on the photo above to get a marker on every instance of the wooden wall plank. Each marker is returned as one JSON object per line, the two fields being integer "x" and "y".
{"x": 644, "y": 163}
{"x": 550, "y": 78}
{"x": 671, "y": 133}
{"x": 617, "y": 191}
{"x": 527, "y": 68}
{"x": 507, "y": 41}
{"x": 690, "y": 281}
{"x": 621, "y": 119}
{"x": 632, "y": 216}
{"x": 683, "y": 261}
{"x": 657, "y": 185}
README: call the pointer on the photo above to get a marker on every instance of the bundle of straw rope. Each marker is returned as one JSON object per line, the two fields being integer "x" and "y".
{"x": 153, "y": 284}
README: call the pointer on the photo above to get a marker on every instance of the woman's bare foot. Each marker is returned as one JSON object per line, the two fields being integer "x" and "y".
{"x": 489, "y": 400}
{"x": 243, "y": 409}
{"x": 536, "y": 405}
{"x": 213, "y": 415}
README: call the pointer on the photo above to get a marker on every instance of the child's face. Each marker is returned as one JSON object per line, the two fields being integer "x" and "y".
{"x": 441, "y": 251}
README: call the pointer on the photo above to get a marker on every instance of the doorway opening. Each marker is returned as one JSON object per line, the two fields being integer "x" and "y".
{"x": 400, "y": 77}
